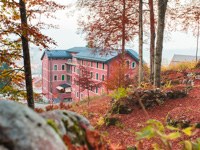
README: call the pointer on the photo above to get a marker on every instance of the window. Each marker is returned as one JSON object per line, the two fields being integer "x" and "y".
{"x": 81, "y": 72}
{"x": 82, "y": 62}
{"x": 96, "y": 91}
{"x": 91, "y": 74}
{"x": 97, "y": 76}
{"x": 77, "y": 61}
{"x": 45, "y": 75}
{"x": 103, "y": 66}
{"x": 97, "y": 65}
{"x": 45, "y": 85}
{"x": 91, "y": 64}
{"x": 77, "y": 70}
{"x": 77, "y": 95}
{"x": 133, "y": 64}
{"x": 55, "y": 77}
{"x": 55, "y": 67}
{"x": 44, "y": 65}
{"x": 74, "y": 69}
{"x": 74, "y": 80}
{"x": 69, "y": 79}
{"x": 63, "y": 77}
{"x": 63, "y": 67}
{"x": 81, "y": 96}
{"x": 127, "y": 63}
{"x": 103, "y": 78}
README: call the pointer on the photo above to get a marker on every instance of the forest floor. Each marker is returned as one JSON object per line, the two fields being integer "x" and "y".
{"x": 121, "y": 135}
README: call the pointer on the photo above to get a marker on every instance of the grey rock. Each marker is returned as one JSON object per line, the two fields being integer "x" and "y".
{"x": 23, "y": 129}
{"x": 71, "y": 124}
{"x": 197, "y": 77}
{"x": 189, "y": 75}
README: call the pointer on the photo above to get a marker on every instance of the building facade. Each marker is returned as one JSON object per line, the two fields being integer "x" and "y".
{"x": 60, "y": 69}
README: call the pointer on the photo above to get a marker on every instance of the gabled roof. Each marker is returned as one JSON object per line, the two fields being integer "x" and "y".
{"x": 76, "y": 49}
{"x": 181, "y": 58}
{"x": 89, "y": 55}
{"x": 57, "y": 54}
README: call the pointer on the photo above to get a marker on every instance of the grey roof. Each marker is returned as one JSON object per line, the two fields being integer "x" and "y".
{"x": 76, "y": 49}
{"x": 65, "y": 85}
{"x": 57, "y": 54}
{"x": 89, "y": 55}
{"x": 181, "y": 58}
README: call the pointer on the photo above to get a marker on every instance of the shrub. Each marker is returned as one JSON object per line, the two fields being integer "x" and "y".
{"x": 156, "y": 131}
{"x": 39, "y": 110}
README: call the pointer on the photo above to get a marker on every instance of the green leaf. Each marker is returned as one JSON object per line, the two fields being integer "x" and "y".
{"x": 171, "y": 128}
{"x": 132, "y": 131}
{"x": 188, "y": 131}
{"x": 105, "y": 133}
{"x": 188, "y": 145}
{"x": 173, "y": 135}
{"x": 144, "y": 134}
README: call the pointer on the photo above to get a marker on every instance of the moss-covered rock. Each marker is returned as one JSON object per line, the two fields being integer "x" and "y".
{"x": 121, "y": 106}
{"x": 69, "y": 123}
{"x": 183, "y": 117}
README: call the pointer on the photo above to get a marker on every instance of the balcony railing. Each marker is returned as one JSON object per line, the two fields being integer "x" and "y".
{"x": 70, "y": 62}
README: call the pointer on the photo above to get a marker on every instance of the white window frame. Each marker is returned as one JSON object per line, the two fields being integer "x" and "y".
{"x": 62, "y": 78}
{"x": 56, "y": 77}
{"x": 92, "y": 74}
{"x": 96, "y": 90}
{"x": 97, "y": 75}
{"x": 102, "y": 77}
{"x": 97, "y": 64}
{"x": 77, "y": 95}
{"x": 62, "y": 67}
{"x": 134, "y": 65}
{"x": 103, "y": 66}
{"x": 56, "y": 67}
{"x": 91, "y": 64}
{"x": 74, "y": 69}
{"x": 78, "y": 71}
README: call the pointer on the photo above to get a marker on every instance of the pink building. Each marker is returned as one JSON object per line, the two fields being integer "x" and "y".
{"x": 61, "y": 67}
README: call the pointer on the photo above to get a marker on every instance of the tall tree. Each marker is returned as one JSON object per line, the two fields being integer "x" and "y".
{"x": 16, "y": 19}
{"x": 140, "y": 41}
{"x": 162, "y": 7}
{"x": 85, "y": 81}
{"x": 110, "y": 24}
{"x": 26, "y": 55}
{"x": 152, "y": 39}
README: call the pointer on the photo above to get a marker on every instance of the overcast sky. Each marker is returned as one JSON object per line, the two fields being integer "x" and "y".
{"x": 66, "y": 37}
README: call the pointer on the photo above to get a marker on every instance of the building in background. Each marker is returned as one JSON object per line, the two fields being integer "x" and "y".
{"x": 60, "y": 69}
{"x": 183, "y": 58}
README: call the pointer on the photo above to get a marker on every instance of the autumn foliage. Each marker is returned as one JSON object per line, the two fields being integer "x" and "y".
{"x": 119, "y": 74}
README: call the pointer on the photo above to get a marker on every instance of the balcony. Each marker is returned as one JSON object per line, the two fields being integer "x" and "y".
{"x": 70, "y": 62}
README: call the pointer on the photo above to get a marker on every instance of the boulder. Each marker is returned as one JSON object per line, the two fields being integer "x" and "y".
{"x": 69, "y": 123}
{"x": 183, "y": 117}
{"x": 23, "y": 129}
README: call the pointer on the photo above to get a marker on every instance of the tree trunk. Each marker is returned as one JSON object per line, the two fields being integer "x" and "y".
{"x": 88, "y": 98}
{"x": 197, "y": 41}
{"x": 140, "y": 43}
{"x": 26, "y": 55}
{"x": 152, "y": 39}
{"x": 123, "y": 31}
{"x": 162, "y": 6}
